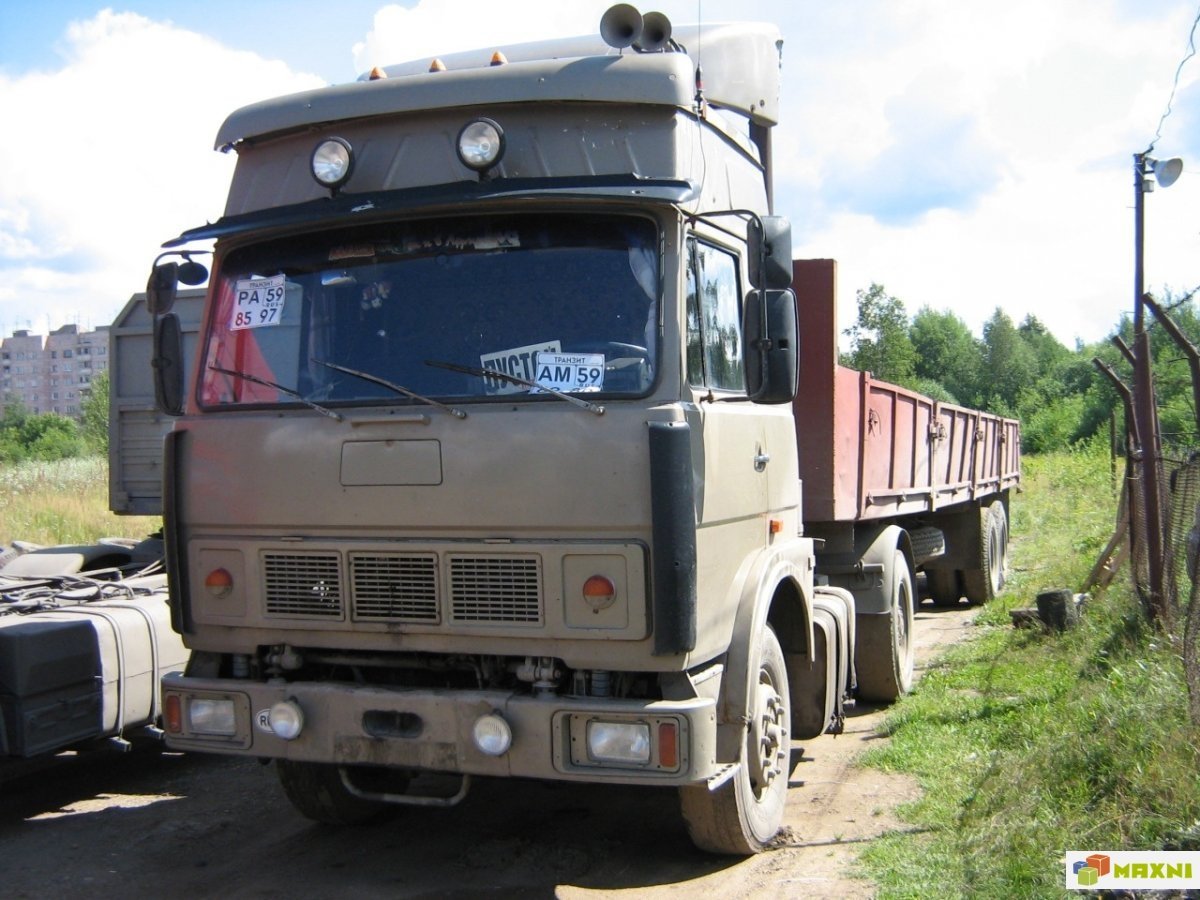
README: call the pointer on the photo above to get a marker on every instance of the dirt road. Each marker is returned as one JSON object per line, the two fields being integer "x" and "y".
{"x": 145, "y": 825}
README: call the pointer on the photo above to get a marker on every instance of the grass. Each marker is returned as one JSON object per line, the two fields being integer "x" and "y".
{"x": 62, "y": 502}
{"x": 1029, "y": 744}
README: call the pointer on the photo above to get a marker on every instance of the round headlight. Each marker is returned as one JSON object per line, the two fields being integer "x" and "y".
{"x": 492, "y": 735}
{"x": 286, "y": 719}
{"x": 332, "y": 162}
{"x": 480, "y": 144}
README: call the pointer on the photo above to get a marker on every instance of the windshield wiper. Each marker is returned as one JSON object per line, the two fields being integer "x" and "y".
{"x": 383, "y": 382}
{"x": 279, "y": 387}
{"x": 481, "y": 372}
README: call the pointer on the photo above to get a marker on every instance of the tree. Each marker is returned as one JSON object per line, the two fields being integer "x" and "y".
{"x": 879, "y": 340}
{"x": 1010, "y": 363}
{"x": 94, "y": 414}
{"x": 947, "y": 353}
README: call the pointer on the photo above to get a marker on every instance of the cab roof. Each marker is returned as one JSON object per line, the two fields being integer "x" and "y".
{"x": 740, "y": 64}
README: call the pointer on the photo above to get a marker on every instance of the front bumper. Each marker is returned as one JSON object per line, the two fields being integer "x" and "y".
{"x": 431, "y": 729}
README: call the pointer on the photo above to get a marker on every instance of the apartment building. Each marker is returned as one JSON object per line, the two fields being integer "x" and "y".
{"x": 52, "y": 373}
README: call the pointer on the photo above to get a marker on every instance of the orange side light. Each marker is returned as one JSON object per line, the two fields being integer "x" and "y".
{"x": 599, "y": 592}
{"x": 173, "y": 713}
{"x": 219, "y": 582}
{"x": 498, "y": 59}
{"x": 668, "y": 745}
{"x": 776, "y": 526}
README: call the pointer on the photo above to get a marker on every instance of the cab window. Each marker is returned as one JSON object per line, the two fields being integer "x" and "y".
{"x": 714, "y": 333}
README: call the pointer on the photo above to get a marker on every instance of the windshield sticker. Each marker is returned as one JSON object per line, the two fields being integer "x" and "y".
{"x": 258, "y": 302}
{"x": 577, "y": 372}
{"x": 519, "y": 362}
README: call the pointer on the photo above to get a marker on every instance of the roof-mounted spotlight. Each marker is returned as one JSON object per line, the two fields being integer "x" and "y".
{"x": 481, "y": 145}
{"x": 332, "y": 162}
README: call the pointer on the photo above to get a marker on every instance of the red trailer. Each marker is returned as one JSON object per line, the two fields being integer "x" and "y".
{"x": 882, "y": 466}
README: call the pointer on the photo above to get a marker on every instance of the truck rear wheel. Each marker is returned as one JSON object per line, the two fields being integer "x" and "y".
{"x": 741, "y": 816}
{"x": 986, "y": 580}
{"x": 883, "y": 658}
{"x": 944, "y": 588}
{"x": 318, "y": 793}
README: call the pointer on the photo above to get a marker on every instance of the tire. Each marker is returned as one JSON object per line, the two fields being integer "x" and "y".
{"x": 883, "y": 659}
{"x": 944, "y": 589}
{"x": 741, "y": 816}
{"x": 318, "y": 793}
{"x": 983, "y": 582}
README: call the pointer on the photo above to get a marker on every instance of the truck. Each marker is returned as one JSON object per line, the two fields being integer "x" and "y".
{"x": 85, "y": 629}
{"x": 515, "y": 444}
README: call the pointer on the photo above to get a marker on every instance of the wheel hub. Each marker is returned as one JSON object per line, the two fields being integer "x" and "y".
{"x": 767, "y": 738}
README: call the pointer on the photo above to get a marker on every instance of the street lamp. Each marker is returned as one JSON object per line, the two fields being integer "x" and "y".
{"x": 1165, "y": 172}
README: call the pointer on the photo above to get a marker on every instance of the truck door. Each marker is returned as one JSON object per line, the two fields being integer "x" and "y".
{"x": 729, "y": 441}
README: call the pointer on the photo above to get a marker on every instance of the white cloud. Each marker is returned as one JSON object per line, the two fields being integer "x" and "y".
{"x": 1013, "y": 128}
{"x": 435, "y": 27}
{"x": 110, "y": 154}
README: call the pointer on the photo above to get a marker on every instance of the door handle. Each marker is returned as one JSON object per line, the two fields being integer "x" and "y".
{"x": 761, "y": 460}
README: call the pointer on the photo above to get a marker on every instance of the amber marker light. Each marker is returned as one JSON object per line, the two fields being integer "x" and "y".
{"x": 599, "y": 592}
{"x": 776, "y": 526}
{"x": 668, "y": 745}
{"x": 173, "y": 714}
{"x": 219, "y": 583}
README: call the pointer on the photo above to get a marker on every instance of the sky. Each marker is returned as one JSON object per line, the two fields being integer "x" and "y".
{"x": 967, "y": 156}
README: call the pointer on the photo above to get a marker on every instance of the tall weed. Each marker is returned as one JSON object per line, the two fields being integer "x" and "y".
{"x": 1028, "y": 743}
{"x": 62, "y": 502}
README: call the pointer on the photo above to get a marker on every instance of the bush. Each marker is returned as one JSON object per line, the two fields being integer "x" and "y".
{"x": 45, "y": 437}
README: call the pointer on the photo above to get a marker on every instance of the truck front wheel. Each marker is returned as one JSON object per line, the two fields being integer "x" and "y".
{"x": 742, "y": 815}
{"x": 318, "y": 793}
{"x": 883, "y": 657}
{"x": 983, "y": 582}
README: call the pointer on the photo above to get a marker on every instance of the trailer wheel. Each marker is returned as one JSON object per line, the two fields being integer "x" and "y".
{"x": 883, "y": 659}
{"x": 741, "y": 816}
{"x": 986, "y": 580}
{"x": 944, "y": 588}
{"x": 318, "y": 793}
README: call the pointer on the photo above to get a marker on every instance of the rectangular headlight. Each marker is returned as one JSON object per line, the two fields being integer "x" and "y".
{"x": 207, "y": 716}
{"x": 619, "y": 742}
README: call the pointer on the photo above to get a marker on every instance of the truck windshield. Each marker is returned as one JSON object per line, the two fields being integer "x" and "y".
{"x": 568, "y": 302}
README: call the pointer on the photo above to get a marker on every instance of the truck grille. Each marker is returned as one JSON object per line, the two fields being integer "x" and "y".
{"x": 303, "y": 584}
{"x": 502, "y": 589}
{"x": 489, "y": 589}
{"x": 394, "y": 587}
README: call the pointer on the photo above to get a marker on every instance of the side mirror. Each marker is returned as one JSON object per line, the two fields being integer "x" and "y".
{"x": 772, "y": 342}
{"x": 192, "y": 273}
{"x": 769, "y": 249}
{"x": 168, "y": 365}
{"x": 160, "y": 289}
